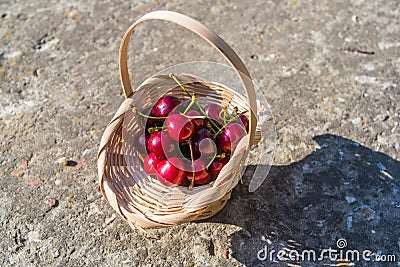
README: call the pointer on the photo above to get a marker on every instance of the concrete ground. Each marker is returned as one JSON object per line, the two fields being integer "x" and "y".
{"x": 329, "y": 69}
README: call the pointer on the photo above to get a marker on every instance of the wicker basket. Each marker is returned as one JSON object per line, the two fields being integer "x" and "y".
{"x": 141, "y": 199}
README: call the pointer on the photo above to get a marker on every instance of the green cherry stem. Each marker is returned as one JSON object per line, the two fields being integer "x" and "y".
{"x": 229, "y": 121}
{"x": 172, "y": 76}
{"x": 191, "y": 104}
{"x": 208, "y": 118}
{"x": 151, "y": 117}
{"x": 155, "y": 129}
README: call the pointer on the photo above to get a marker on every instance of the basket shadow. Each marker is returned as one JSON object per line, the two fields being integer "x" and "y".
{"x": 342, "y": 190}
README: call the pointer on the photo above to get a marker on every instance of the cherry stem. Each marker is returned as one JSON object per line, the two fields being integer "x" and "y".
{"x": 155, "y": 129}
{"x": 208, "y": 118}
{"x": 227, "y": 123}
{"x": 151, "y": 117}
{"x": 191, "y": 104}
{"x": 220, "y": 156}
{"x": 214, "y": 157}
{"x": 224, "y": 111}
{"x": 193, "y": 172}
{"x": 172, "y": 76}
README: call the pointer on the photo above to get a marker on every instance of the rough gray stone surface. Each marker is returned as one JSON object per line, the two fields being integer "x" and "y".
{"x": 329, "y": 69}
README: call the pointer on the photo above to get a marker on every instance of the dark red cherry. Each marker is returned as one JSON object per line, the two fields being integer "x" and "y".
{"x": 179, "y": 127}
{"x": 185, "y": 182}
{"x": 213, "y": 111}
{"x": 150, "y": 163}
{"x": 200, "y": 177}
{"x": 203, "y": 144}
{"x": 216, "y": 167}
{"x": 161, "y": 145}
{"x": 231, "y": 136}
{"x": 245, "y": 121}
{"x": 199, "y": 173}
{"x": 171, "y": 172}
{"x": 164, "y": 106}
{"x": 141, "y": 143}
{"x": 197, "y": 122}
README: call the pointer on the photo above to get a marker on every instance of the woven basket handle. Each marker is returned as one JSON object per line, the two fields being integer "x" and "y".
{"x": 210, "y": 37}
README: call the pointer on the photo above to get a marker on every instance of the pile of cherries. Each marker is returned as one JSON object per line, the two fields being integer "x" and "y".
{"x": 187, "y": 144}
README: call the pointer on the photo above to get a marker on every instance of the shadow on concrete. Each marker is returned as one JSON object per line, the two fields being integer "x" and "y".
{"x": 343, "y": 190}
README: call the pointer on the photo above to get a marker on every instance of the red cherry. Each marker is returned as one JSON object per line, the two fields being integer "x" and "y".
{"x": 171, "y": 172}
{"x": 198, "y": 123}
{"x": 213, "y": 111}
{"x": 231, "y": 136}
{"x": 200, "y": 175}
{"x": 179, "y": 127}
{"x": 150, "y": 163}
{"x": 141, "y": 143}
{"x": 164, "y": 106}
{"x": 245, "y": 121}
{"x": 203, "y": 144}
{"x": 216, "y": 167}
{"x": 161, "y": 145}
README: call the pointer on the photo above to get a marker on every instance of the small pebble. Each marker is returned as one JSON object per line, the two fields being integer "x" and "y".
{"x": 381, "y": 166}
{"x": 63, "y": 161}
{"x": 85, "y": 152}
{"x": 306, "y": 167}
{"x": 109, "y": 220}
{"x": 381, "y": 117}
{"x": 349, "y": 222}
{"x": 320, "y": 223}
{"x": 56, "y": 254}
{"x": 93, "y": 209}
{"x": 356, "y": 121}
{"x": 225, "y": 254}
{"x": 53, "y": 202}
{"x": 350, "y": 199}
{"x": 33, "y": 236}
{"x": 363, "y": 79}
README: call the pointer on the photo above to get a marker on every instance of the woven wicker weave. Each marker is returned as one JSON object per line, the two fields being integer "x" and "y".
{"x": 141, "y": 199}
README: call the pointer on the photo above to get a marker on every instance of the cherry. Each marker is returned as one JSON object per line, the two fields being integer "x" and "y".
{"x": 217, "y": 165}
{"x": 171, "y": 172}
{"x": 203, "y": 144}
{"x": 245, "y": 121}
{"x": 161, "y": 145}
{"x": 150, "y": 163}
{"x": 231, "y": 136}
{"x": 141, "y": 143}
{"x": 197, "y": 122}
{"x": 164, "y": 106}
{"x": 185, "y": 182}
{"x": 179, "y": 127}
{"x": 213, "y": 111}
{"x": 199, "y": 173}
